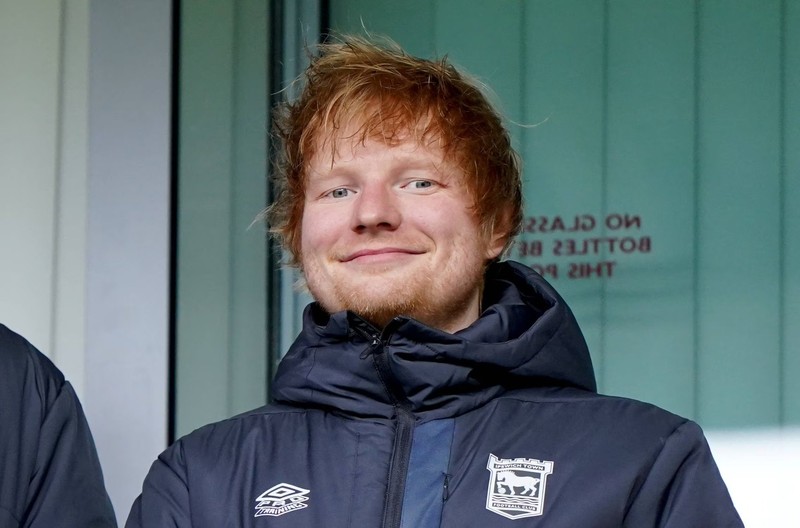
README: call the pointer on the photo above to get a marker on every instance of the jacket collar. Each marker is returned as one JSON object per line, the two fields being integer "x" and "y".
{"x": 526, "y": 336}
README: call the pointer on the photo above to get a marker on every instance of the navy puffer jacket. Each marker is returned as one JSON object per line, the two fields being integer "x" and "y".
{"x": 497, "y": 425}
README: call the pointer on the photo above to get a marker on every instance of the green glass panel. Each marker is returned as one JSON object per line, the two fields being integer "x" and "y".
{"x": 203, "y": 215}
{"x": 562, "y": 147}
{"x": 409, "y": 23}
{"x": 247, "y": 347}
{"x": 791, "y": 216}
{"x": 490, "y": 52}
{"x": 220, "y": 320}
{"x": 739, "y": 220}
{"x": 649, "y": 338}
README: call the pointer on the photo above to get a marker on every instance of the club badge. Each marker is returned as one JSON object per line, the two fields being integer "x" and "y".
{"x": 517, "y": 486}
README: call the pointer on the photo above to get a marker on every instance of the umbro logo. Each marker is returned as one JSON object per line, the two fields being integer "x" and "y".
{"x": 281, "y": 498}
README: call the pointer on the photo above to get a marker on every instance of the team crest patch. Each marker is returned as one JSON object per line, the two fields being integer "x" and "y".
{"x": 516, "y": 486}
{"x": 281, "y": 498}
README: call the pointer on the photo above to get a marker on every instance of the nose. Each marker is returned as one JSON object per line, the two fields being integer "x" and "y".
{"x": 376, "y": 208}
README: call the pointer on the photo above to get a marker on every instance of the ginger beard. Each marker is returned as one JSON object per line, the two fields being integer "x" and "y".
{"x": 389, "y": 230}
{"x": 438, "y": 298}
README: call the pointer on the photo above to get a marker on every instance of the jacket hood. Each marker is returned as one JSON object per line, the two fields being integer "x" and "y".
{"x": 525, "y": 336}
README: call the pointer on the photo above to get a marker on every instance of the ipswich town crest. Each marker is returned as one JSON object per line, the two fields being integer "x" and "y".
{"x": 517, "y": 485}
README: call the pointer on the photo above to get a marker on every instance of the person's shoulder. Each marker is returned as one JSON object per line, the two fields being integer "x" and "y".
{"x": 22, "y": 365}
{"x": 237, "y": 429}
{"x": 621, "y": 411}
{"x": 645, "y": 419}
{"x": 613, "y": 426}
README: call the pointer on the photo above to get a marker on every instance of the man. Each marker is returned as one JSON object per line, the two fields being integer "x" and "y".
{"x": 431, "y": 385}
{"x": 49, "y": 472}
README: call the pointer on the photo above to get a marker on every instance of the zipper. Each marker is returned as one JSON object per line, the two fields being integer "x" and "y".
{"x": 404, "y": 424}
{"x": 398, "y": 469}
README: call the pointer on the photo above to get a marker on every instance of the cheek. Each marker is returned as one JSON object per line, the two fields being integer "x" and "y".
{"x": 458, "y": 226}
{"x": 296, "y": 231}
{"x": 303, "y": 238}
{"x": 442, "y": 218}
{"x": 311, "y": 254}
{"x": 312, "y": 233}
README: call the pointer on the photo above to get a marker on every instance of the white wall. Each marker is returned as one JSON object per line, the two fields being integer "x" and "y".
{"x": 761, "y": 468}
{"x": 44, "y": 50}
{"x": 84, "y": 211}
{"x": 127, "y": 285}
{"x": 30, "y": 93}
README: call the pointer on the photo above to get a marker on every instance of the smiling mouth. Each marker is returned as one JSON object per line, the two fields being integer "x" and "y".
{"x": 379, "y": 254}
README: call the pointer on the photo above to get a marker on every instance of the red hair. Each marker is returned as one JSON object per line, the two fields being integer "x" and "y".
{"x": 391, "y": 94}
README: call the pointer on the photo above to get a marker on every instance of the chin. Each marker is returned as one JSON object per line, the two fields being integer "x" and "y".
{"x": 380, "y": 305}
{"x": 377, "y": 319}
{"x": 380, "y": 309}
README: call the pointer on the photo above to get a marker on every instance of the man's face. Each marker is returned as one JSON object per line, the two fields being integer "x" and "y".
{"x": 389, "y": 230}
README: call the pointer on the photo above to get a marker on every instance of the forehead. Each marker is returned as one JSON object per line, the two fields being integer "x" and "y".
{"x": 335, "y": 148}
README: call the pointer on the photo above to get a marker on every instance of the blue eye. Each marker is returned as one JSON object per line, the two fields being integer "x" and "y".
{"x": 421, "y": 184}
{"x": 339, "y": 193}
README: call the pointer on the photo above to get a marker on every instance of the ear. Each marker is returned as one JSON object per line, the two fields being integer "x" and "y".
{"x": 495, "y": 242}
{"x": 497, "y": 234}
{"x": 495, "y": 246}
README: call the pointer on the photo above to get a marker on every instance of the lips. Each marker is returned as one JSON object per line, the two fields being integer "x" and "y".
{"x": 366, "y": 253}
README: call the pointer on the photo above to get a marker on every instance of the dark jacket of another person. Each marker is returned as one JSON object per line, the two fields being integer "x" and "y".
{"x": 50, "y": 476}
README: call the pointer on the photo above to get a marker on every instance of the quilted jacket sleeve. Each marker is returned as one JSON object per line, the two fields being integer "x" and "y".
{"x": 49, "y": 471}
{"x": 684, "y": 488}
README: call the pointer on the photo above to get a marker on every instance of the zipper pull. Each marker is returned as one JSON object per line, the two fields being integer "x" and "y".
{"x": 446, "y": 488}
{"x": 371, "y": 348}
